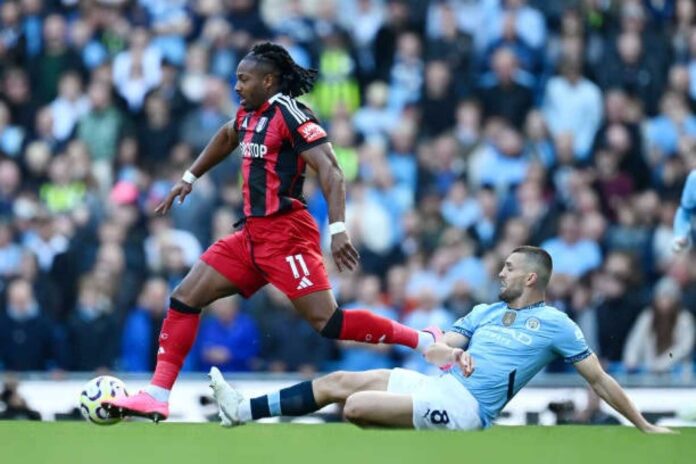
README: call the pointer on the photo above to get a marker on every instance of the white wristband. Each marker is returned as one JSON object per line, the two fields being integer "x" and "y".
{"x": 337, "y": 227}
{"x": 189, "y": 177}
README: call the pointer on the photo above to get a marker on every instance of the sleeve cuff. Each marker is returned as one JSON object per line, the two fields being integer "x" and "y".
{"x": 462, "y": 331}
{"x": 578, "y": 357}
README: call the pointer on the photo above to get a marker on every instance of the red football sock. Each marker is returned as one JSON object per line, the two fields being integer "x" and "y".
{"x": 363, "y": 326}
{"x": 175, "y": 341}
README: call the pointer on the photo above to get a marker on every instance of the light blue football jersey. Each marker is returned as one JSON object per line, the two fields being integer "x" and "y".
{"x": 510, "y": 346}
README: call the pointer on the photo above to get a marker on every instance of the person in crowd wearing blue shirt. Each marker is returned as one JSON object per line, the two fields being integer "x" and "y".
{"x": 488, "y": 356}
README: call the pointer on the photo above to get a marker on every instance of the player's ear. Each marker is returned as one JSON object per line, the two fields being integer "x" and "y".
{"x": 532, "y": 279}
{"x": 268, "y": 80}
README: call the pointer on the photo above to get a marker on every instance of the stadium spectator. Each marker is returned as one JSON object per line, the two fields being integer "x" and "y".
{"x": 375, "y": 119}
{"x": 506, "y": 94}
{"x": 572, "y": 255}
{"x": 69, "y": 106}
{"x": 137, "y": 69}
{"x": 228, "y": 338}
{"x": 10, "y": 252}
{"x": 141, "y": 327}
{"x": 439, "y": 102}
{"x": 101, "y": 130}
{"x": 621, "y": 296}
{"x": 28, "y": 338}
{"x": 53, "y": 60}
{"x": 11, "y": 136}
{"x": 573, "y": 104}
{"x": 92, "y": 331}
{"x": 662, "y": 338}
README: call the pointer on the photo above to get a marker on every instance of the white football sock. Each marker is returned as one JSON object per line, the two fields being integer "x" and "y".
{"x": 244, "y": 411}
{"x": 425, "y": 339}
{"x": 158, "y": 393}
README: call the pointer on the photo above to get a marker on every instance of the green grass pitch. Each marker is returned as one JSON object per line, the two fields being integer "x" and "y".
{"x": 138, "y": 442}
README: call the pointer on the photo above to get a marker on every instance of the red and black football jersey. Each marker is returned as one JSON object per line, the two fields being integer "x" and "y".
{"x": 271, "y": 139}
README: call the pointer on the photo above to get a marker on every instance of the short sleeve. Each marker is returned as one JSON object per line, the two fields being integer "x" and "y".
{"x": 468, "y": 324}
{"x": 305, "y": 130}
{"x": 570, "y": 342}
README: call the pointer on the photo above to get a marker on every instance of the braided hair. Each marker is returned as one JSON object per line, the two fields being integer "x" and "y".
{"x": 294, "y": 80}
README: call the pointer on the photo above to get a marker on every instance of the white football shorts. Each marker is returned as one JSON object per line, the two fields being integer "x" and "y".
{"x": 440, "y": 403}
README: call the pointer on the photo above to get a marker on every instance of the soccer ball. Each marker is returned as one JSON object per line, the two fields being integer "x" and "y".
{"x": 100, "y": 389}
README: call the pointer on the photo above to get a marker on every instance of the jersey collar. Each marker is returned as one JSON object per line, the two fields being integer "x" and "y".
{"x": 269, "y": 102}
{"x": 538, "y": 304}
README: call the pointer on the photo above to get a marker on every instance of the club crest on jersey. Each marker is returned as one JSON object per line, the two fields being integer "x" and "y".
{"x": 261, "y": 124}
{"x": 509, "y": 317}
{"x": 532, "y": 324}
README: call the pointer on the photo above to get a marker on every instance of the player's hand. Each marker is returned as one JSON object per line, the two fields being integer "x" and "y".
{"x": 650, "y": 428}
{"x": 680, "y": 244}
{"x": 180, "y": 189}
{"x": 464, "y": 360}
{"x": 344, "y": 253}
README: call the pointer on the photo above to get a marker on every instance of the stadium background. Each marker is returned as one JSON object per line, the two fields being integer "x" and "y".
{"x": 464, "y": 128}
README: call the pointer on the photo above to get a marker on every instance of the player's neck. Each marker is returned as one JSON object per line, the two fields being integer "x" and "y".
{"x": 526, "y": 300}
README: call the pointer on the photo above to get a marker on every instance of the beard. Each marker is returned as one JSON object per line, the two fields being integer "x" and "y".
{"x": 509, "y": 293}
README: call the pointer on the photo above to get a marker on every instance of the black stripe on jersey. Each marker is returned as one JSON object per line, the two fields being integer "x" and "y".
{"x": 286, "y": 168}
{"x": 257, "y": 171}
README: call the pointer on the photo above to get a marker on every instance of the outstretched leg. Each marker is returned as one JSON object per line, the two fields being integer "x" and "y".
{"x": 377, "y": 408}
{"x": 201, "y": 286}
{"x": 322, "y": 312}
{"x": 298, "y": 400}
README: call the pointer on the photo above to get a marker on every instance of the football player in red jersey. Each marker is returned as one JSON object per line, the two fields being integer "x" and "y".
{"x": 279, "y": 241}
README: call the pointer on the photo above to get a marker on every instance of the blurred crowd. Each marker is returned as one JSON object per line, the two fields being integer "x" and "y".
{"x": 465, "y": 128}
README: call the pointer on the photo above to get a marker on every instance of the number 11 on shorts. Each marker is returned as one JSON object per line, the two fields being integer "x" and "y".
{"x": 293, "y": 266}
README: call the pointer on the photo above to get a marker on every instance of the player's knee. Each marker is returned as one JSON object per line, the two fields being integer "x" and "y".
{"x": 355, "y": 409}
{"x": 334, "y": 386}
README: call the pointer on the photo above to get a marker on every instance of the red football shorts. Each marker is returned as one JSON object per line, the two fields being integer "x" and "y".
{"x": 282, "y": 250}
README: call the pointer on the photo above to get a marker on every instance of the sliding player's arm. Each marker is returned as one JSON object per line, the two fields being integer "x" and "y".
{"x": 322, "y": 159}
{"x": 610, "y": 391}
{"x": 220, "y": 146}
{"x": 451, "y": 349}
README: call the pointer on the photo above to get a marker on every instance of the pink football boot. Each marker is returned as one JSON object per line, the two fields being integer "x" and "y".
{"x": 140, "y": 405}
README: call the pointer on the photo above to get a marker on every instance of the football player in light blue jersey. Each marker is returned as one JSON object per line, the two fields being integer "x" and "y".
{"x": 684, "y": 215}
{"x": 492, "y": 353}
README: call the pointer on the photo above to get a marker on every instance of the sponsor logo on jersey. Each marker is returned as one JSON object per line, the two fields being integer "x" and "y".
{"x": 505, "y": 335}
{"x": 305, "y": 283}
{"x": 253, "y": 150}
{"x": 509, "y": 317}
{"x": 311, "y": 131}
{"x": 533, "y": 324}
{"x": 261, "y": 124}
{"x": 245, "y": 122}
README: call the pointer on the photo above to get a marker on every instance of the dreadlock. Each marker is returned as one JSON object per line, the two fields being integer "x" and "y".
{"x": 294, "y": 80}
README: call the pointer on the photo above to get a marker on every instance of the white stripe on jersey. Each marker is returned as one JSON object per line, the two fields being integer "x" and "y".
{"x": 291, "y": 106}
